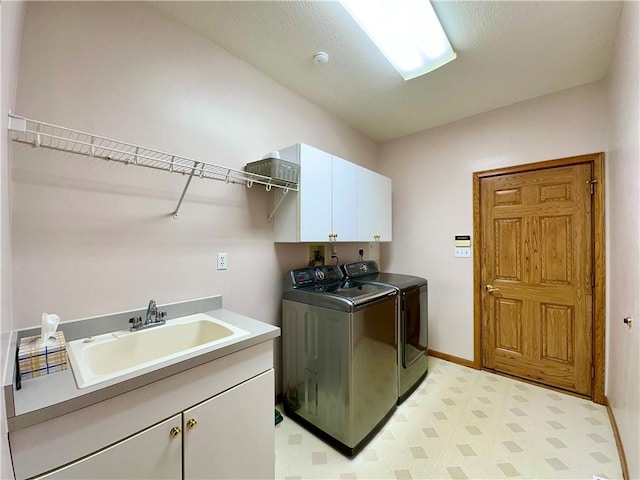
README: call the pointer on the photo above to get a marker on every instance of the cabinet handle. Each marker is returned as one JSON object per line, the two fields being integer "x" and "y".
{"x": 192, "y": 423}
{"x": 175, "y": 432}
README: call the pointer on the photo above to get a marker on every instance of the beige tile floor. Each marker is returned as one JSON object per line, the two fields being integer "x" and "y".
{"x": 463, "y": 423}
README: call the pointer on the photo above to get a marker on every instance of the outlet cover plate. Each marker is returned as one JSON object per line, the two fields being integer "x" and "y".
{"x": 222, "y": 261}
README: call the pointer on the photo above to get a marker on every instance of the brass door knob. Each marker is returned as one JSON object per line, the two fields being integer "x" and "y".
{"x": 192, "y": 423}
{"x": 175, "y": 432}
{"x": 490, "y": 288}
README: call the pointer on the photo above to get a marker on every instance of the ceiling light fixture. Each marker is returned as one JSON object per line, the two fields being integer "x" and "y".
{"x": 407, "y": 32}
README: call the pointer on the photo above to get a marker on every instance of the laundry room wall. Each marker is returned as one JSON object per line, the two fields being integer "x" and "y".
{"x": 432, "y": 191}
{"x": 11, "y": 21}
{"x": 623, "y": 287}
{"x": 92, "y": 237}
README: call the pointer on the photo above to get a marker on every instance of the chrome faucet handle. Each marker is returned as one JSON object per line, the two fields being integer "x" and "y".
{"x": 136, "y": 323}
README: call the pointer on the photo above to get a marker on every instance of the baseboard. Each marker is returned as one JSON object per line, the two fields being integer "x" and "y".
{"x": 451, "y": 358}
{"x": 616, "y": 434}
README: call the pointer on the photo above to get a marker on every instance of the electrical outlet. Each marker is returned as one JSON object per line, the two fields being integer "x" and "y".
{"x": 222, "y": 261}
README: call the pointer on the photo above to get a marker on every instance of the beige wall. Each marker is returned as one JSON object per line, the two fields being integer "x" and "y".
{"x": 11, "y": 21}
{"x": 432, "y": 191}
{"x": 623, "y": 287}
{"x": 92, "y": 237}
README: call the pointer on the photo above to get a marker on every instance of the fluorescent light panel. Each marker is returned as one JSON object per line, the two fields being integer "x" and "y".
{"x": 407, "y": 32}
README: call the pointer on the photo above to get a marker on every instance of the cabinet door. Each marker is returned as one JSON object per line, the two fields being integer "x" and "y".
{"x": 151, "y": 454}
{"x": 343, "y": 199}
{"x": 233, "y": 436}
{"x": 315, "y": 194}
{"x": 374, "y": 206}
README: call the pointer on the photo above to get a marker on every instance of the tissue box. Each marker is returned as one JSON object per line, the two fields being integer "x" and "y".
{"x": 35, "y": 360}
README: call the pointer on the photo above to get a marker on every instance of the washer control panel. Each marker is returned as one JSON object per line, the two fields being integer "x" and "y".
{"x": 308, "y": 276}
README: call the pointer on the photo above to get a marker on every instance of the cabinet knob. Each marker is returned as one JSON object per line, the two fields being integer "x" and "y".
{"x": 376, "y": 238}
{"x": 175, "y": 432}
{"x": 192, "y": 423}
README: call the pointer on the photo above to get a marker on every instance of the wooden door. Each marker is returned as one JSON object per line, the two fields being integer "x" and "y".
{"x": 536, "y": 275}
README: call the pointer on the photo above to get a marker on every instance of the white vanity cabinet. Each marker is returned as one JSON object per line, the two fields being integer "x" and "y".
{"x": 215, "y": 420}
{"x": 373, "y": 206}
{"x": 324, "y": 208}
{"x": 230, "y": 436}
{"x": 338, "y": 201}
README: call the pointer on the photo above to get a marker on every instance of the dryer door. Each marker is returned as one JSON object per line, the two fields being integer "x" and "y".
{"x": 414, "y": 324}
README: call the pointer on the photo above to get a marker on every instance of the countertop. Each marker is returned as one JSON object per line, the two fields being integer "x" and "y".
{"x": 49, "y": 396}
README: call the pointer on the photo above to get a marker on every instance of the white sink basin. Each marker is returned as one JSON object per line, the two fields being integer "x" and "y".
{"x": 104, "y": 357}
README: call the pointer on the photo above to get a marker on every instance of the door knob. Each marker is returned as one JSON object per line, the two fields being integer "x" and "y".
{"x": 490, "y": 288}
{"x": 175, "y": 432}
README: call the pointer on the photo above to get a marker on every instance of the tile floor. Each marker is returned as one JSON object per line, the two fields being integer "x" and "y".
{"x": 463, "y": 423}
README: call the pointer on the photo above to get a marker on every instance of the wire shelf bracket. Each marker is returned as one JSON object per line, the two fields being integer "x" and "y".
{"x": 47, "y": 135}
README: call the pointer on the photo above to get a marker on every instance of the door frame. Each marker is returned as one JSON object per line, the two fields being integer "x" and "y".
{"x": 598, "y": 241}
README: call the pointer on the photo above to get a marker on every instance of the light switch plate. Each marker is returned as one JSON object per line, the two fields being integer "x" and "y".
{"x": 462, "y": 252}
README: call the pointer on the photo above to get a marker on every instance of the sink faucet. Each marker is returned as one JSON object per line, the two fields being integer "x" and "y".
{"x": 152, "y": 312}
{"x": 152, "y": 319}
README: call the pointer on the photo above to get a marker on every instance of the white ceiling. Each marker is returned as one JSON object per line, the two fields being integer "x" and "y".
{"x": 507, "y": 52}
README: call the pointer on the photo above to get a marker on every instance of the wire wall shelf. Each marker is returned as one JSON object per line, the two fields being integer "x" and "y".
{"x": 47, "y": 135}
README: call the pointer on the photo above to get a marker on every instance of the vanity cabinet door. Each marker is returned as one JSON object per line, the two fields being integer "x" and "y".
{"x": 153, "y": 453}
{"x": 232, "y": 435}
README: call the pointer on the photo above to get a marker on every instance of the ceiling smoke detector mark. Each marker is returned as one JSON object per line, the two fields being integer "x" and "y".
{"x": 320, "y": 58}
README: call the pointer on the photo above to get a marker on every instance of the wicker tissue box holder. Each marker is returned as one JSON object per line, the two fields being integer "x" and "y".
{"x": 35, "y": 360}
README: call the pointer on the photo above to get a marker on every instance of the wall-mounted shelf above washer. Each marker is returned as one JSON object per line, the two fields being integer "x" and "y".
{"x": 41, "y": 134}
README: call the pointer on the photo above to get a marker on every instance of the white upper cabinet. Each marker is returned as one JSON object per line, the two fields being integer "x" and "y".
{"x": 373, "y": 206}
{"x": 324, "y": 208}
{"x": 343, "y": 200}
{"x": 333, "y": 196}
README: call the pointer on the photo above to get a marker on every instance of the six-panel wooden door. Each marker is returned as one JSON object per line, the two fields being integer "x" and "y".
{"x": 536, "y": 270}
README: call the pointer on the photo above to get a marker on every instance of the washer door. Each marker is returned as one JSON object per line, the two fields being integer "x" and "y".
{"x": 414, "y": 324}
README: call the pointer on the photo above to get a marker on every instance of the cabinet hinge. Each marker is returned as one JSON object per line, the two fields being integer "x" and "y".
{"x": 593, "y": 371}
{"x": 593, "y": 279}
